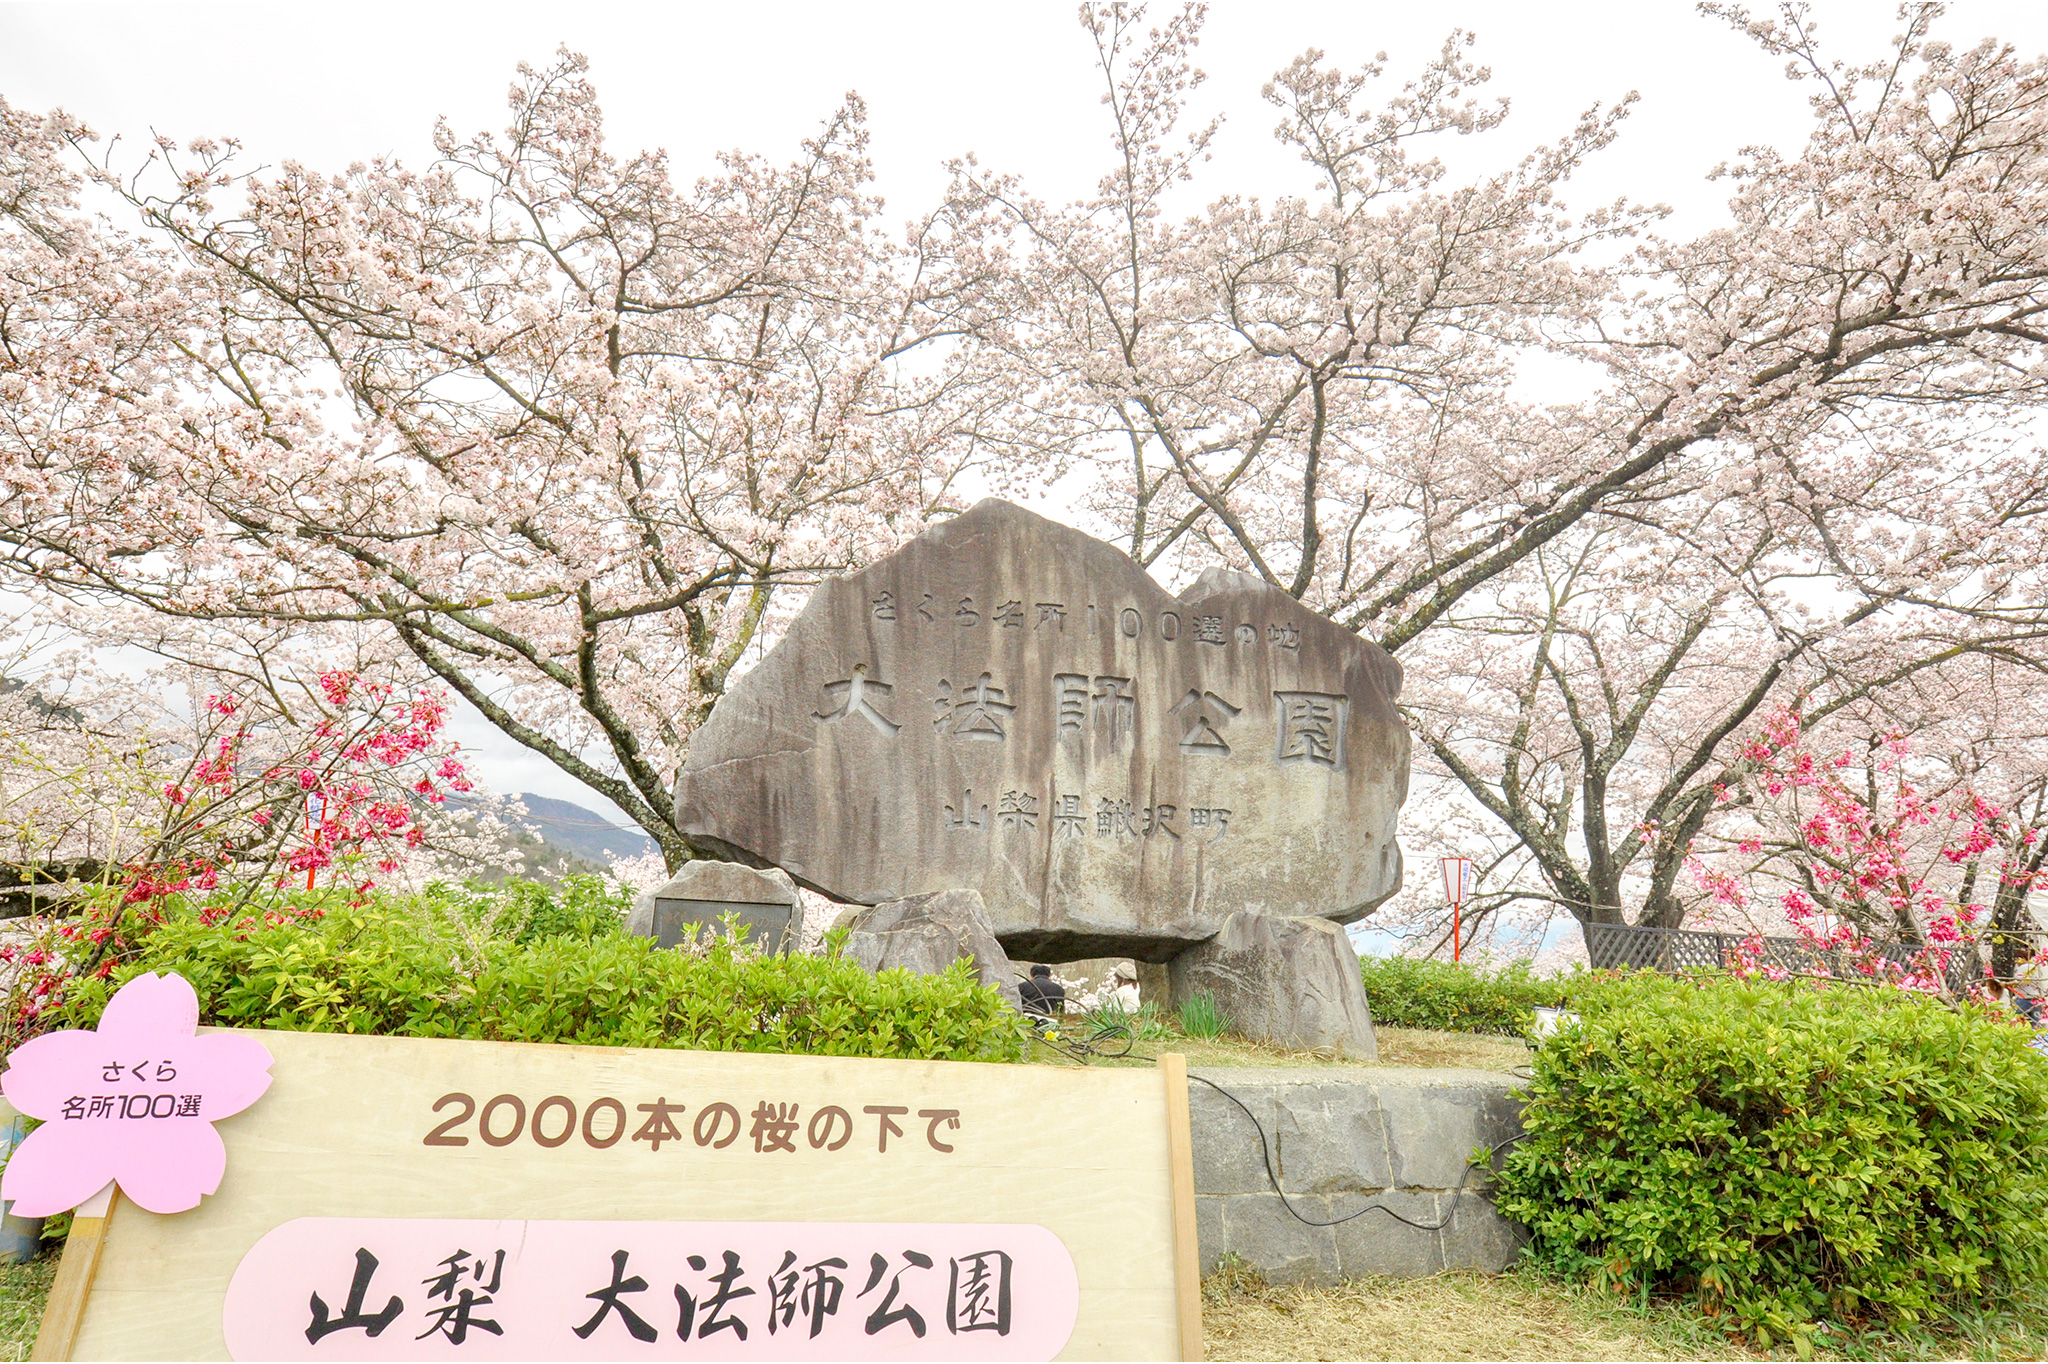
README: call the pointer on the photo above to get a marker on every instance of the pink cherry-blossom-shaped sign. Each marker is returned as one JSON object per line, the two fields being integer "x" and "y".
{"x": 134, "y": 1101}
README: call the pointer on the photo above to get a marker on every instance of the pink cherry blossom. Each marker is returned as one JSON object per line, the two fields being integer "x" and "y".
{"x": 571, "y": 428}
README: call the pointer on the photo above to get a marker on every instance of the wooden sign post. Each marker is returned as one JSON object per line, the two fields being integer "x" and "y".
{"x": 404, "y": 1199}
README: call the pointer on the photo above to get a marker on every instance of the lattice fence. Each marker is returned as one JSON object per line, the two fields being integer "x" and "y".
{"x": 1672, "y": 950}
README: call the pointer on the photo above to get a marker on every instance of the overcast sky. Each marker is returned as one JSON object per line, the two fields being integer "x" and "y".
{"x": 326, "y": 84}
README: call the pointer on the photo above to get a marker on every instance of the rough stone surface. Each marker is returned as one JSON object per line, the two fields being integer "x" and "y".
{"x": 1331, "y": 1138}
{"x": 1431, "y": 1129}
{"x": 1155, "y": 983}
{"x": 1343, "y": 1138}
{"x": 1009, "y": 705}
{"x": 1479, "y": 1238}
{"x": 1293, "y": 982}
{"x": 1377, "y": 1244}
{"x": 1258, "y": 1230}
{"x": 700, "y": 892}
{"x": 927, "y": 934}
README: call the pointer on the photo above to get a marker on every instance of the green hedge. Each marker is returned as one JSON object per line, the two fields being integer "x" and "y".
{"x": 1410, "y": 992}
{"x": 1792, "y": 1153}
{"x": 528, "y": 963}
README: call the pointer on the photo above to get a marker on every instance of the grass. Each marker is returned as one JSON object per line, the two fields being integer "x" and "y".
{"x": 1522, "y": 1314}
{"x": 2013, "y": 1327}
{"x": 1527, "y": 1313}
{"x": 1428, "y": 1047}
{"x": 1398, "y": 1047}
{"x": 22, "y": 1291}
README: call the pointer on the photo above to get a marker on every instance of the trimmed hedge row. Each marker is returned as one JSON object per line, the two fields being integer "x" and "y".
{"x": 1792, "y": 1153}
{"x": 1411, "y": 992}
{"x": 529, "y": 963}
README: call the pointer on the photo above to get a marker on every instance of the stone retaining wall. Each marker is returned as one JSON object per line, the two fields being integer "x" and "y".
{"x": 1343, "y": 1137}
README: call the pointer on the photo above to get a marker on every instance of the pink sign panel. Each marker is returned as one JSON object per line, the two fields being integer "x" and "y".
{"x": 133, "y": 1101}
{"x": 405, "y": 1288}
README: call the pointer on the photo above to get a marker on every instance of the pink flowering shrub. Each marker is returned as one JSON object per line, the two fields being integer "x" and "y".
{"x": 258, "y": 804}
{"x": 1852, "y": 849}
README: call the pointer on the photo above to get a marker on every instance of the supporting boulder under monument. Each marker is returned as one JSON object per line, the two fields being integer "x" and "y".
{"x": 1289, "y": 982}
{"x": 928, "y": 933}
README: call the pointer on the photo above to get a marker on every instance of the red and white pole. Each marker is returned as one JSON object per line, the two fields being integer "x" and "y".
{"x": 312, "y": 828}
{"x": 1457, "y": 886}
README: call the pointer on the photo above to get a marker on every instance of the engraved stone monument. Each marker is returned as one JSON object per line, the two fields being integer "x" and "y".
{"x": 1011, "y": 706}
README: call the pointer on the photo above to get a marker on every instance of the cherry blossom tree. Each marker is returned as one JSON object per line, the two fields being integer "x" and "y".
{"x": 1316, "y": 391}
{"x": 559, "y": 429}
{"x": 1800, "y": 483}
{"x": 1595, "y": 703}
{"x": 539, "y": 424}
{"x": 1312, "y": 390}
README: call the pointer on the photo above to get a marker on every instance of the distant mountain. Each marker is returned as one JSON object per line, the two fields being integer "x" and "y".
{"x": 580, "y": 832}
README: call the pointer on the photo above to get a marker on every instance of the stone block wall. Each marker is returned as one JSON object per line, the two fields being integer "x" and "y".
{"x": 1340, "y": 1138}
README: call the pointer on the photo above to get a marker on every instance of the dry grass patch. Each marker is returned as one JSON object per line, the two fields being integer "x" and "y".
{"x": 23, "y": 1289}
{"x": 1428, "y": 1047}
{"x": 1520, "y": 1315}
{"x": 1398, "y": 1047}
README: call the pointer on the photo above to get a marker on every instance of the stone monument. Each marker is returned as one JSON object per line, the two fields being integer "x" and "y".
{"x": 1010, "y": 706}
{"x": 702, "y": 894}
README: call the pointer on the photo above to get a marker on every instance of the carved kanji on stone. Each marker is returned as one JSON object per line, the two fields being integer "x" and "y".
{"x": 1113, "y": 769}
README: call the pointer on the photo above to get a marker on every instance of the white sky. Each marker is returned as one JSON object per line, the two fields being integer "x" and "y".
{"x": 326, "y": 84}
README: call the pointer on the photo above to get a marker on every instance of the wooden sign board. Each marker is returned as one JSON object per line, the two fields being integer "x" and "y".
{"x": 510, "y": 1201}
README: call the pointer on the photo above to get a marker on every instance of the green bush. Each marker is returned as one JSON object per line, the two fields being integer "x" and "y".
{"x": 527, "y": 911}
{"x": 1792, "y": 1153}
{"x": 1411, "y": 992}
{"x": 526, "y": 963}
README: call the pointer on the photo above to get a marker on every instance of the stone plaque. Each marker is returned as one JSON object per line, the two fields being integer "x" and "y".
{"x": 677, "y": 921}
{"x": 1011, "y": 706}
{"x": 700, "y": 892}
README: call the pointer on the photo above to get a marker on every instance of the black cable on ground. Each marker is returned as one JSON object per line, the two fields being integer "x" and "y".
{"x": 1266, "y": 1154}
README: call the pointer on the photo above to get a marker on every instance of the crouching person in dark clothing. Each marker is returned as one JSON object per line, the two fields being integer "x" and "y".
{"x": 1042, "y": 994}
